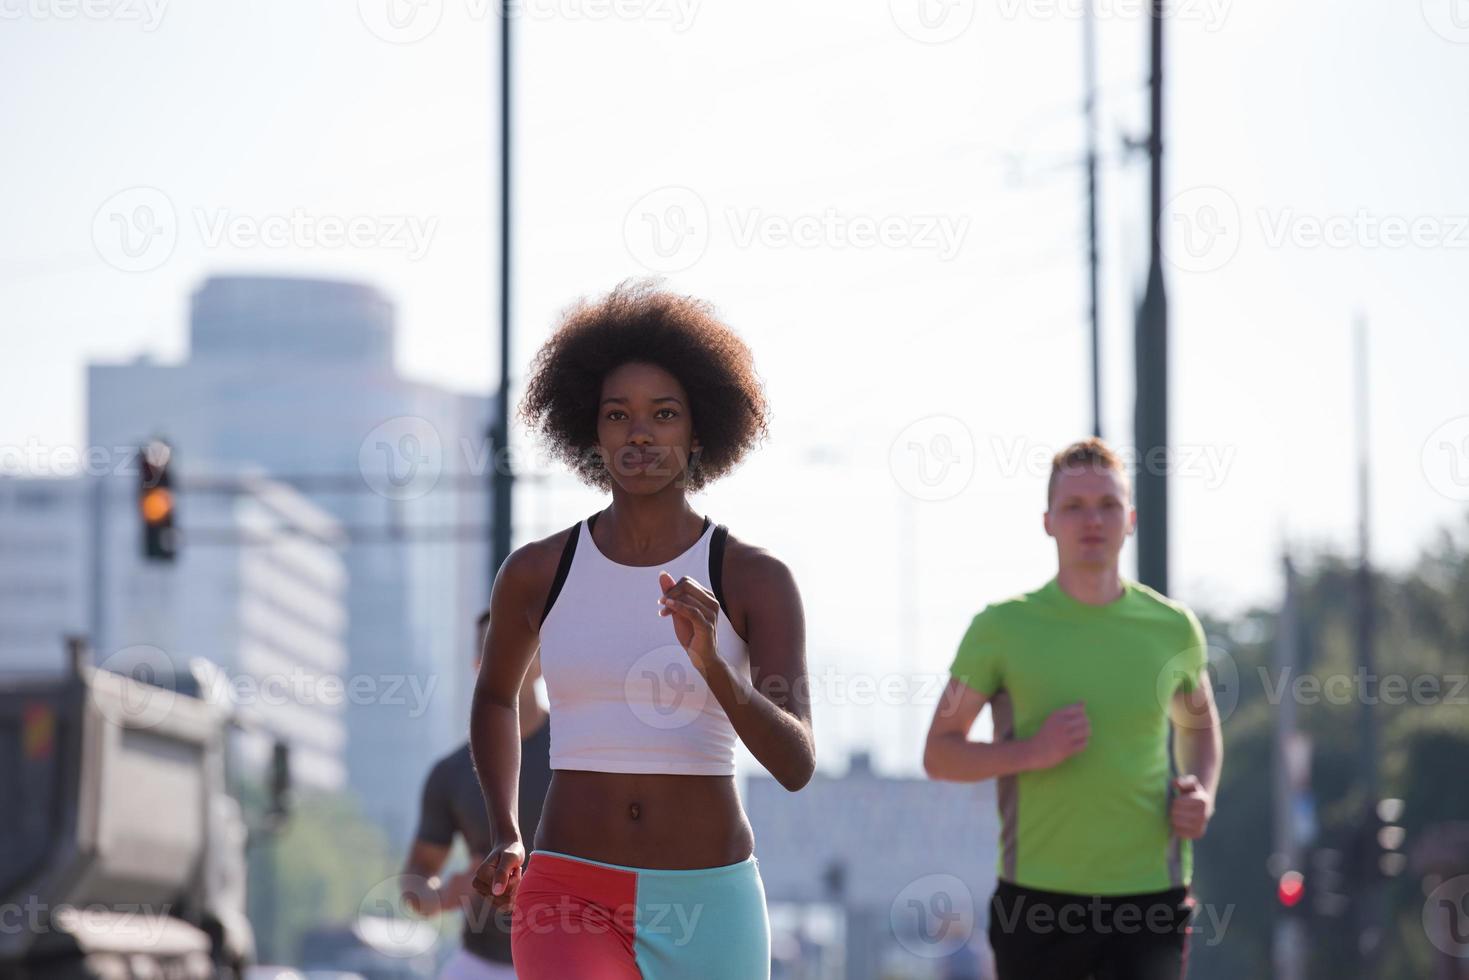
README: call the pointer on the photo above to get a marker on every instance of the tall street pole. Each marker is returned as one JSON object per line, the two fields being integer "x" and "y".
{"x": 1150, "y": 417}
{"x": 1089, "y": 70}
{"x": 1371, "y": 919}
{"x": 503, "y": 477}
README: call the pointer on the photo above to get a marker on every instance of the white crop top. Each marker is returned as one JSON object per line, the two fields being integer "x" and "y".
{"x": 625, "y": 697}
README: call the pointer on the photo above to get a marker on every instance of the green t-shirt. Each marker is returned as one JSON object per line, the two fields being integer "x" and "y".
{"x": 1097, "y": 824}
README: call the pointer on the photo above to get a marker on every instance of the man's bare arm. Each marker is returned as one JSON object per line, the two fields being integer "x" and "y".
{"x": 948, "y": 753}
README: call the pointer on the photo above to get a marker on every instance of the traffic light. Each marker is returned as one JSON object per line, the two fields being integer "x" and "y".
{"x": 1290, "y": 890}
{"x": 1390, "y": 835}
{"x": 156, "y": 502}
{"x": 1329, "y": 897}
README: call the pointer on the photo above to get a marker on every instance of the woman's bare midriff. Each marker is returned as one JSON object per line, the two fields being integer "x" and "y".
{"x": 645, "y": 820}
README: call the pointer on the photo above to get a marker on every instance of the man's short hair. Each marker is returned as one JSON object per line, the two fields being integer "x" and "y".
{"x": 1090, "y": 454}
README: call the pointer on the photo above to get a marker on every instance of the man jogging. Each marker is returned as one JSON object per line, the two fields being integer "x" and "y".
{"x": 451, "y": 805}
{"x": 1106, "y": 747}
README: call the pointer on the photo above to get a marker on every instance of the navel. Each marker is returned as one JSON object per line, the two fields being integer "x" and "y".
{"x": 634, "y": 810}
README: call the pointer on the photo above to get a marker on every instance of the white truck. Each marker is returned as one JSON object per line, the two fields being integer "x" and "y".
{"x": 122, "y": 849}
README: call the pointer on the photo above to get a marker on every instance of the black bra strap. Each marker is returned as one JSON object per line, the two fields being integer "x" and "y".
{"x": 716, "y": 565}
{"x": 563, "y": 569}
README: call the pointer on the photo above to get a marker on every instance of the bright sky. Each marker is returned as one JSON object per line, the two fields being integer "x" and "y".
{"x": 881, "y": 196}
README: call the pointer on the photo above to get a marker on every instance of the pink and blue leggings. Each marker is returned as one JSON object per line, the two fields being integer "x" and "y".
{"x": 578, "y": 919}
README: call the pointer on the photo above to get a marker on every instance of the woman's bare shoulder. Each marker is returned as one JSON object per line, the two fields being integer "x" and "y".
{"x": 747, "y": 561}
{"x": 755, "y": 578}
{"x": 532, "y": 566}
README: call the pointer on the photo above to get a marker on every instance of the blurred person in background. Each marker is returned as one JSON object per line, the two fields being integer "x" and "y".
{"x": 651, "y": 622}
{"x": 452, "y": 804}
{"x": 1094, "y": 681}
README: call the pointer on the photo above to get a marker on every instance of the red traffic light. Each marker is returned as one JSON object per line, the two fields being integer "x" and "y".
{"x": 1291, "y": 889}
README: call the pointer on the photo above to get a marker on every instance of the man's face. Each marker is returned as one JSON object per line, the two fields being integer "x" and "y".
{"x": 1090, "y": 517}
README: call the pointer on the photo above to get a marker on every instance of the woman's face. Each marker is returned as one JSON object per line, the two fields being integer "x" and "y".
{"x": 645, "y": 430}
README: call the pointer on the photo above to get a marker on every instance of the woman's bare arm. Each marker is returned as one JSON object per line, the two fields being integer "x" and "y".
{"x": 770, "y": 707}
{"x": 494, "y": 719}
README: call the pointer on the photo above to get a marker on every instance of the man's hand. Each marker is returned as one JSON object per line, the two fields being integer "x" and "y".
{"x": 1191, "y": 809}
{"x": 422, "y": 895}
{"x": 459, "y": 887}
{"x": 1061, "y": 736}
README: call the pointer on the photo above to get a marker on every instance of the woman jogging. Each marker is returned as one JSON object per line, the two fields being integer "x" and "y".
{"x": 651, "y": 623}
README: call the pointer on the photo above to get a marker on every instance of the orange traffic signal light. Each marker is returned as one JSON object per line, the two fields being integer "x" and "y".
{"x": 156, "y": 505}
{"x": 155, "y": 502}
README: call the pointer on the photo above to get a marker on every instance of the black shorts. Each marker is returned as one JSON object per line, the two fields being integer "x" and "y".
{"x": 1060, "y": 936}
